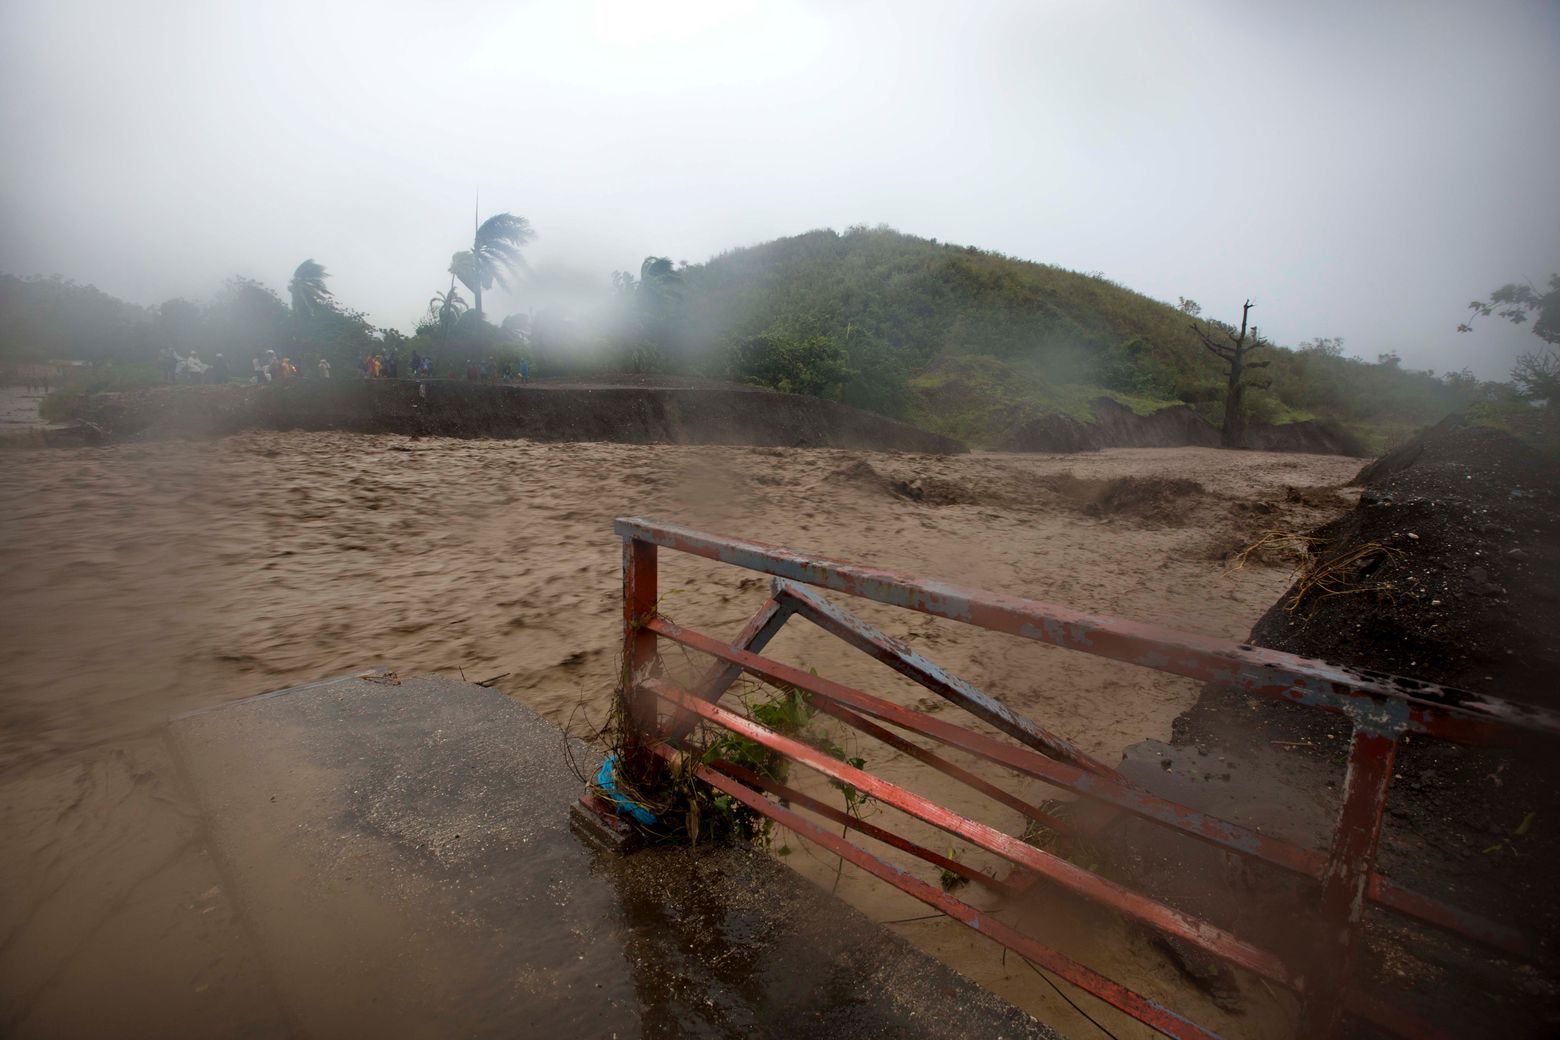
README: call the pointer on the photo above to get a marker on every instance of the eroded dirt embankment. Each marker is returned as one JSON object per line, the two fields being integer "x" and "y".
{"x": 705, "y": 414}
{"x": 1117, "y": 426}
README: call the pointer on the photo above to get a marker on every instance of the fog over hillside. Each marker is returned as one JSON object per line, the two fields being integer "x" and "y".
{"x": 1361, "y": 171}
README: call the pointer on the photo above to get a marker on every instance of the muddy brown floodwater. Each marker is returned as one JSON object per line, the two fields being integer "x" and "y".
{"x": 138, "y": 582}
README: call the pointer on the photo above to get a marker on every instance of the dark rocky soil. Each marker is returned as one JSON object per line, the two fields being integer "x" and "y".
{"x": 1465, "y": 589}
{"x": 1450, "y": 572}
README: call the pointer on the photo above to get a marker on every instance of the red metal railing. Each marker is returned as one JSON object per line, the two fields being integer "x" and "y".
{"x": 1381, "y": 709}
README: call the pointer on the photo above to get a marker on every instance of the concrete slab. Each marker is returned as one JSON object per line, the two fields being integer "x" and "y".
{"x": 402, "y": 856}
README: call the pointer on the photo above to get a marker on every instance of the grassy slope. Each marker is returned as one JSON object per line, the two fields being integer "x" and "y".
{"x": 963, "y": 341}
{"x": 971, "y": 343}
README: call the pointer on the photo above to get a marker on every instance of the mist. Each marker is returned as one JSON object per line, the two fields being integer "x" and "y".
{"x": 317, "y": 553}
{"x": 1360, "y": 173}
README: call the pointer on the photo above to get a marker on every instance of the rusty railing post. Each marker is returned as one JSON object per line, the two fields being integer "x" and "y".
{"x": 1346, "y": 879}
{"x": 639, "y": 653}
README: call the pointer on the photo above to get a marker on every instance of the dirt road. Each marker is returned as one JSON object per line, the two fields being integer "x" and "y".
{"x": 138, "y": 582}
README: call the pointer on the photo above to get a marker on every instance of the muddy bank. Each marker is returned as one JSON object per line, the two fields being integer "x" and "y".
{"x": 1117, "y": 426}
{"x": 1307, "y": 436}
{"x": 710, "y": 414}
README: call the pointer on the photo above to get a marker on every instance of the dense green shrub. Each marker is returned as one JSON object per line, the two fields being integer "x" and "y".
{"x": 812, "y": 365}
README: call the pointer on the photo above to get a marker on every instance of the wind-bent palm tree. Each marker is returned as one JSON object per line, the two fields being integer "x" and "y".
{"x": 309, "y": 295}
{"x": 657, "y": 269}
{"x": 494, "y": 256}
{"x": 659, "y": 282}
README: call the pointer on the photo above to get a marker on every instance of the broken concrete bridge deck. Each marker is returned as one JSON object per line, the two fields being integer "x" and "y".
{"x": 401, "y": 859}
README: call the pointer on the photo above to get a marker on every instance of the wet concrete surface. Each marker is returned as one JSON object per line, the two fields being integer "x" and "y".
{"x": 398, "y": 857}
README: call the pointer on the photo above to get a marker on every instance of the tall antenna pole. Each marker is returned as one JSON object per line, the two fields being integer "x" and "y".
{"x": 476, "y": 206}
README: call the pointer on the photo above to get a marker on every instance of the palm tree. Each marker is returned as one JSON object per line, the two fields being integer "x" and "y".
{"x": 447, "y": 307}
{"x": 309, "y": 295}
{"x": 494, "y": 256}
{"x": 659, "y": 281}
{"x": 657, "y": 269}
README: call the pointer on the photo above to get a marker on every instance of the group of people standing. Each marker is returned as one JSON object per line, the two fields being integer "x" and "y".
{"x": 269, "y": 367}
{"x": 388, "y": 366}
{"x": 190, "y": 368}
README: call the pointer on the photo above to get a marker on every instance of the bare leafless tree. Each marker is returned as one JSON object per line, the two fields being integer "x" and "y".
{"x": 1234, "y": 354}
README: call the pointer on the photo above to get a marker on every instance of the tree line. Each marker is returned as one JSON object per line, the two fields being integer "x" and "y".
{"x": 871, "y": 317}
{"x": 44, "y": 318}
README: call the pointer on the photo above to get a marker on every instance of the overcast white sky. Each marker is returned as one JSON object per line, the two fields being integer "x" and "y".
{"x": 1360, "y": 169}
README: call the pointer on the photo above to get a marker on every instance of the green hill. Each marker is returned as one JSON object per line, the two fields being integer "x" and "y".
{"x": 971, "y": 343}
{"x": 964, "y": 342}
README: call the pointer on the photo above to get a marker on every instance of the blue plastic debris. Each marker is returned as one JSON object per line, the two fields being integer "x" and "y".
{"x": 606, "y": 783}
